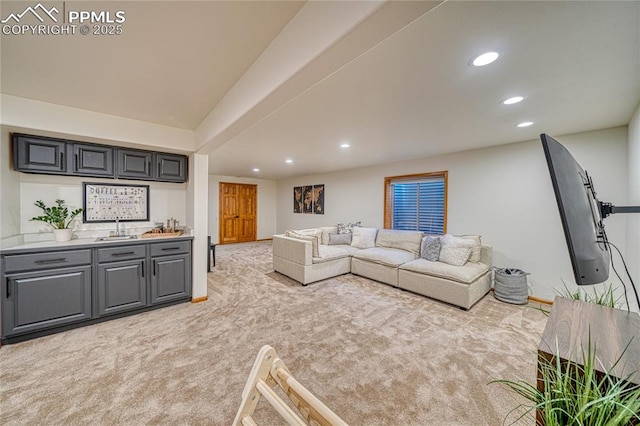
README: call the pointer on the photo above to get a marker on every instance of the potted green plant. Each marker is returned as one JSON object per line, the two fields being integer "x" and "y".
{"x": 58, "y": 217}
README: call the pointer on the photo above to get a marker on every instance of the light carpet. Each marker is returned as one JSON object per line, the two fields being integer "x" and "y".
{"x": 376, "y": 355}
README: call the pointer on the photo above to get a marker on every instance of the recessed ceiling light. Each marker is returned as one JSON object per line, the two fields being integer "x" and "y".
{"x": 345, "y": 145}
{"x": 524, "y": 124}
{"x": 288, "y": 161}
{"x": 512, "y": 100}
{"x": 485, "y": 59}
{"x": 256, "y": 169}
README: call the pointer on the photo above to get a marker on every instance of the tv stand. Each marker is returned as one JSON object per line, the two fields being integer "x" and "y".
{"x": 572, "y": 324}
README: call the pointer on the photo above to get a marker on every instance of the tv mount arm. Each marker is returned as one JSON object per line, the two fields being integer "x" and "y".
{"x": 607, "y": 209}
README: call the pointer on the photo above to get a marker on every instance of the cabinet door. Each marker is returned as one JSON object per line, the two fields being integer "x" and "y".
{"x": 121, "y": 287}
{"x": 38, "y": 300}
{"x": 91, "y": 160}
{"x": 171, "y": 167}
{"x": 134, "y": 164}
{"x": 39, "y": 155}
{"x": 171, "y": 278}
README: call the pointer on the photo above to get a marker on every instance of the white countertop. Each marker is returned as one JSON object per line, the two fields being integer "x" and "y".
{"x": 83, "y": 242}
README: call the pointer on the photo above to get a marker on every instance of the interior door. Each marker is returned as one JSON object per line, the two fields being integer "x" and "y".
{"x": 247, "y": 213}
{"x": 238, "y": 211}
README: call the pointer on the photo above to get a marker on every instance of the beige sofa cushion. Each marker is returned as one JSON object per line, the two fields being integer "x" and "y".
{"x": 363, "y": 238}
{"x": 308, "y": 236}
{"x": 385, "y": 256}
{"x": 464, "y": 274}
{"x": 402, "y": 240}
{"x": 329, "y": 253}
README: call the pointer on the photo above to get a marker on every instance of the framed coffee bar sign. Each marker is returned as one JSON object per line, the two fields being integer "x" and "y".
{"x": 109, "y": 202}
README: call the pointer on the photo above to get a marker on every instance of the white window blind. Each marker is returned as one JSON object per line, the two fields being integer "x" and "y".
{"x": 419, "y": 205}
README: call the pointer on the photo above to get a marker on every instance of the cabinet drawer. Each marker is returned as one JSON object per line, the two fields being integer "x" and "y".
{"x": 58, "y": 259}
{"x": 121, "y": 253}
{"x": 165, "y": 249}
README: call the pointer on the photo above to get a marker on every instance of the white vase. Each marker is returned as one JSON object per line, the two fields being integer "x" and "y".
{"x": 62, "y": 234}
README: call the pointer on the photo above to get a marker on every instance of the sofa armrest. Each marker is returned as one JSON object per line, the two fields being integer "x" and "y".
{"x": 486, "y": 255}
{"x": 292, "y": 249}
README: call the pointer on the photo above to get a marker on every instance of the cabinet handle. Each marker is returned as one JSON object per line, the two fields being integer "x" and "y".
{"x": 124, "y": 253}
{"x": 47, "y": 261}
{"x": 170, "y": 248}
{"x": 142, "y": 269}
{"x": 62, "y": 160}
{"x": 8, "y": 288}
{"x": 154, "y": 268}
{"x": 76, "y": 161}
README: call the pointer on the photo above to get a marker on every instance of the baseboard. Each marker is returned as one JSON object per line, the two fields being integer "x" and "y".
{"x": 540, "y": 300}
{"x": 536, "y": 299}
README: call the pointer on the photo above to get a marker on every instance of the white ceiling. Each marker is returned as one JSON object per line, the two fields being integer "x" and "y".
{"x": 395, "y": 88}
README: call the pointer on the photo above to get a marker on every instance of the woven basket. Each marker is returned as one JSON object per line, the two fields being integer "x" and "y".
{"x": 510, "y": 285}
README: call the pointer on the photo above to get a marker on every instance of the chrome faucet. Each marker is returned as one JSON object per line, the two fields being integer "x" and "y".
{"x": 117, "y": 233}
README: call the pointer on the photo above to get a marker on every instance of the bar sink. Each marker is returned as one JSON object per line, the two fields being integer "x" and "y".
{"x": 117, "y": 238}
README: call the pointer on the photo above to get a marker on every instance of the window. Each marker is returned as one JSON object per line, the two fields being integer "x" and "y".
{"x": 416, "y": 202}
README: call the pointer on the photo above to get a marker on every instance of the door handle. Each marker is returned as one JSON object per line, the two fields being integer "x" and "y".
{"x": 124, "y": 253}
{"x": 46, "y": 261}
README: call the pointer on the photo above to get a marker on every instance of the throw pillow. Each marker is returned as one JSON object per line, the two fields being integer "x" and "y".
{"x": 476, "y": 246}
{"x": 363, "y": 237}
{"x": 336, "y": 239}
{"x": 347, "y": 229}
{"x": 315, "y": 251}
{"x": 456, "y": 256}
{"x": 430, "y": 248}
{"x": 471, "y": 241}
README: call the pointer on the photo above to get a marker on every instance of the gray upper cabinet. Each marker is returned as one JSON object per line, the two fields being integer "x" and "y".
{"x": 171, "y": 167}
{"x": 91, "y": 160}
{"x": 134, "y": 164}
{"x": 38, "y": 154}
{"x": 33, "y": 154}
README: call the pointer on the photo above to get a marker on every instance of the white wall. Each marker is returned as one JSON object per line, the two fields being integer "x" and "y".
{"x": 9, "y": 191}
{"x": 633, "y": 220}
{"x": 166, "y": 200}
{"x": 62, "y": 121}
{"x": 503, "y": 193}
{"x": 266, "y": 205}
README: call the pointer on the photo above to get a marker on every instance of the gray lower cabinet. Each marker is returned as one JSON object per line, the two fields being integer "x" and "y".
{"x": 122, "y": 284}
{"x": 171, "y": 271}
{"x": 46, "y": 290}
{"x": 45, "y": 299}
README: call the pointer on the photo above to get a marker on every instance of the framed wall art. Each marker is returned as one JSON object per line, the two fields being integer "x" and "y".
{"x": 308, "y": 199}
{"x": 108, "y": 202}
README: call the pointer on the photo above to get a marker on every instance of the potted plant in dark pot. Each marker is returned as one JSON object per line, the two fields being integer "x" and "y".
{"x": 58, "y": 217}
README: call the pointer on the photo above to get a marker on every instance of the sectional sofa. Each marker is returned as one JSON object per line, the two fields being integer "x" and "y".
{"x": 452, "y": 269}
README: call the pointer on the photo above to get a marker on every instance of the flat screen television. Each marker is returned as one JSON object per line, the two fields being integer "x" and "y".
{"x": 580, "y": 213}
